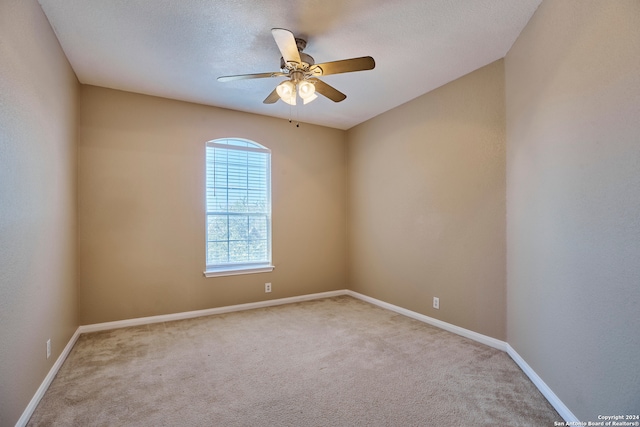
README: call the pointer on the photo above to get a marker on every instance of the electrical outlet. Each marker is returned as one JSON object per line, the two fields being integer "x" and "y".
{"x": 267, "y": 287}
{"x": 48, "y": 348}
{"x": 436, "y": 303}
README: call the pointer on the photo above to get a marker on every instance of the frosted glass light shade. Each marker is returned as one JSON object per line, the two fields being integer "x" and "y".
{"x": 309, "y": 98}
{"x": 287, "y": 92}
{"x": 306, "y": 89}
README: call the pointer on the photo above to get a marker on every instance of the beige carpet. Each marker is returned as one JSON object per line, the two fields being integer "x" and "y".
{"x": 330, "y": 362}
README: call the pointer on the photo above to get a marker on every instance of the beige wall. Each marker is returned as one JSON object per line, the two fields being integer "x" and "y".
{"x": 141, "y": 206}
{"x": 38, "y": 94}
{"x": 427, "y": 203}
{"x": 422, "y": 188}
{"x": 573, "y": 173}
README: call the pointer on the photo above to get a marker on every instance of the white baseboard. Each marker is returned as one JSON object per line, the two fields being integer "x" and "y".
{"x": 484, "y": 339}
{"x": 558, "y": 405}
{"x": 207, "y": 312}
{"x": 28, "y": 412}
{"x": 554, "y": 400}
{"x": 24, "y": 419}
{"x": 491, "y": 342}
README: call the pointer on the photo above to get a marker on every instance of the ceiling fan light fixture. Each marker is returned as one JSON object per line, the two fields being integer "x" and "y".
{"x": 287, "y": 92}
{"x": 306, "y": 89}
{"x": 290, "y": 101}
{"x": 309, "y": 99}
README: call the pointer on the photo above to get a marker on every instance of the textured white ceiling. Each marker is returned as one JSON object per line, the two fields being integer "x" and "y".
{"x": 177, "y": 48}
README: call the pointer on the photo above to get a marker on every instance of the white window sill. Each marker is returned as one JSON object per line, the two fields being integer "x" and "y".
{"x": 237, "y": 271}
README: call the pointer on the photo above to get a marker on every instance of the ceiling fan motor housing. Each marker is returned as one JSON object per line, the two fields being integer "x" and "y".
{"x": 307, "y": 61}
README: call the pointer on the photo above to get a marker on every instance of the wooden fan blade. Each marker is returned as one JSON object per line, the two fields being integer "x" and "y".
{"x": 287, "y": 44}
{"x": 329, "y": 91}
{"x": 272, "y": 98}
{"x": 250, "y": 76}
{"x": 344, "y": 66}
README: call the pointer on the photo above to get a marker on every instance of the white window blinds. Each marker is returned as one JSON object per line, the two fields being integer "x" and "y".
{"x": 238, "y": 185}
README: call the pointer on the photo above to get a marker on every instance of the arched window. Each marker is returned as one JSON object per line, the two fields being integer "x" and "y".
{"x": 238, "y": 186}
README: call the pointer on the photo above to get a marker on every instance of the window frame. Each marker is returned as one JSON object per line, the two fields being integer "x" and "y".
{"x": 231, "y": 269}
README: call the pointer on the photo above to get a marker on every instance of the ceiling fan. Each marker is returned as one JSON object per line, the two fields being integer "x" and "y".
{"x": 302, "y": 72}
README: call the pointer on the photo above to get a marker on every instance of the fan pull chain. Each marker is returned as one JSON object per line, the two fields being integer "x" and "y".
{"x": 297, "y": 115}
